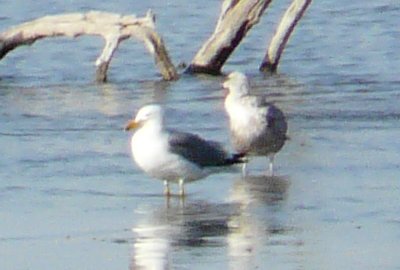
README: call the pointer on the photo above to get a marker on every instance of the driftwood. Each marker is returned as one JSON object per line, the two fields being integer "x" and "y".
{"x": 236, "y": 19}
{"x": 288, "y": 22}
{"x": 113, "y": 28}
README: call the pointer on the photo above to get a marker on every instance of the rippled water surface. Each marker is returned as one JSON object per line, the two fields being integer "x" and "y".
{"x": 71, "y": 197}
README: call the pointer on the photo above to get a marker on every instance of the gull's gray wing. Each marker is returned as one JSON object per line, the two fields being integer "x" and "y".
{"x": 274, "y": 117}
{"x": 197, "y": 150}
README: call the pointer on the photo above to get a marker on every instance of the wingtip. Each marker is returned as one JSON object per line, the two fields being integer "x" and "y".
{"x": 239, "y": 158}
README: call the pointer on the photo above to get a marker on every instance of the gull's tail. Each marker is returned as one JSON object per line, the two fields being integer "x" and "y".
{"x": 236, "y": 159}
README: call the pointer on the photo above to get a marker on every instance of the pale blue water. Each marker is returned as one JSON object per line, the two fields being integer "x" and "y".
{"x": 71, "y": 197}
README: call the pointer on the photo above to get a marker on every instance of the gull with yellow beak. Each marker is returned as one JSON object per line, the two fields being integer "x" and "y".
{"x": 171, "y": 155}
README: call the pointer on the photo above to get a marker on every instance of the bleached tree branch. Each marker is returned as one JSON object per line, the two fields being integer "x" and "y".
{"x": 288, "y": 22}
{"x": 237, "y": 17}
{"x": 114, "y": 28}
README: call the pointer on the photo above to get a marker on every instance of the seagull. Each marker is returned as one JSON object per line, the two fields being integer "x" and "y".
{"x": 171, "y": 155}
{"x": 258, "y": 128}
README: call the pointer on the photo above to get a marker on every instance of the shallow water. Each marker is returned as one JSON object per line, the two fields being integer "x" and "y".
{"x": 71, "y": 197}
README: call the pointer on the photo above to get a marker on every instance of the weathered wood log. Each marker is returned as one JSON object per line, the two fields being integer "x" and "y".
{"x": 114, "y": 28}
{"x": 236, "y": 19}
{"x": 278, "y": 42}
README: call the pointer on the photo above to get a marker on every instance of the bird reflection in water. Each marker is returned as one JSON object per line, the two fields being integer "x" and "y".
{"x": 152, "y": 247}
{"x": 167, "y": 235}
{"x": 260, "y": 199}
{"x": 178, "y": 227}
{"x": 253, "y": 190}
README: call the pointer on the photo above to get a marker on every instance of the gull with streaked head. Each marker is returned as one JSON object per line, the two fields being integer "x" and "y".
{"x": 258, "y": 128}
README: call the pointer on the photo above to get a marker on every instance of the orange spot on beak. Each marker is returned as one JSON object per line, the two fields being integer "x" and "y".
{"x": 131, "y": 125}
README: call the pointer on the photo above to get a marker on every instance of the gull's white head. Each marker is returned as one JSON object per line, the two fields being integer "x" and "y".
{"x": 147, "y": 114}
{"x": 237, "y": 84}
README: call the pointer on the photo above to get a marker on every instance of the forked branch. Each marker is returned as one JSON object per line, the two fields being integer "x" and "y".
{"x": 114, "y": 28}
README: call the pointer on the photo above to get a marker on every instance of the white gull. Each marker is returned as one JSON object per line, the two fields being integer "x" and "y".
{"x": 171, "y": 155}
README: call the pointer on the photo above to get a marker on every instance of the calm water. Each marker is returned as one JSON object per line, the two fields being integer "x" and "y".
{"x": 71, "y": 198}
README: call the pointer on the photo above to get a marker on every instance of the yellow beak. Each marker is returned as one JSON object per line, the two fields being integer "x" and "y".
{"x": 132, "y": 125}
